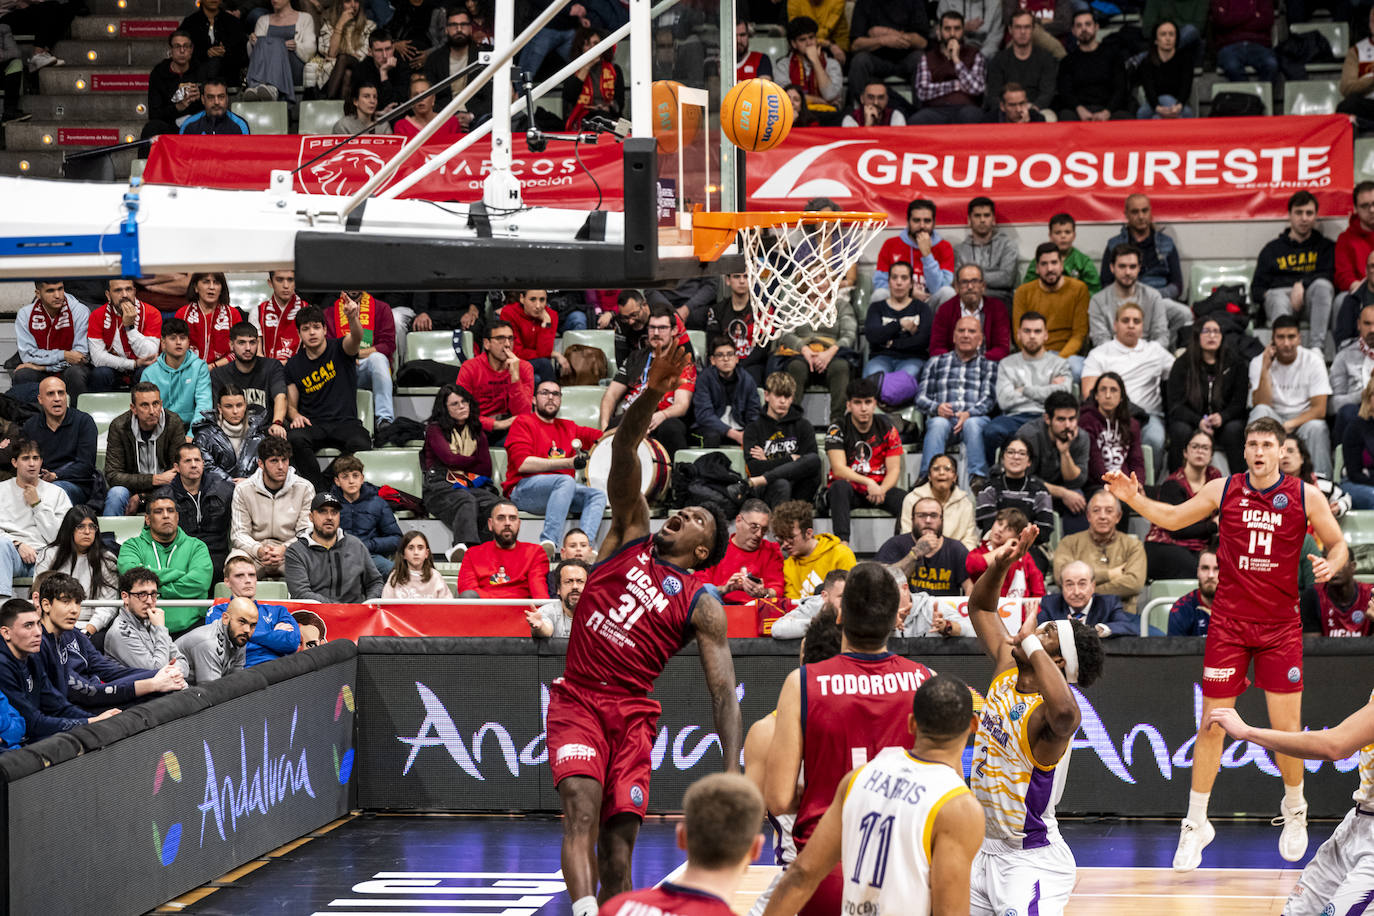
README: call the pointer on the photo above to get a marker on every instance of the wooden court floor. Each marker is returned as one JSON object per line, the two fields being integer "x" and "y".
{"x": 1140, "y": 891}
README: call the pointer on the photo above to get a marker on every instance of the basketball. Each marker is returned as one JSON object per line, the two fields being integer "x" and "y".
{"x": 665, "y": 117}
{"x": 756, "y": 115}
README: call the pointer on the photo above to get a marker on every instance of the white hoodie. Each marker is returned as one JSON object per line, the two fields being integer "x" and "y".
{"x": 261, "y": 515}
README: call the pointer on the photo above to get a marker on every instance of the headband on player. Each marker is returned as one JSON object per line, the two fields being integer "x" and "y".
{"x": 1069, "y": 649}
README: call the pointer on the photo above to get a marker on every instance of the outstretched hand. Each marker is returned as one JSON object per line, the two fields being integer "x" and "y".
{"x": 1122, "y": 486}
{"x": 666, "y": 370}
{"x": 1028, "y": 626}
{"x": 1013, "y": 550}
{"x": 1227, "y": 719}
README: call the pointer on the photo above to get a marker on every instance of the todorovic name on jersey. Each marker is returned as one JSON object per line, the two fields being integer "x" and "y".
{"x": 640, "y": 596}
{"x": 1261, "y": 525}
{"x": 869, "y": 685}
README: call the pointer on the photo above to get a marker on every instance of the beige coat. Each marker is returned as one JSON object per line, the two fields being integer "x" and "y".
{"x": 261, "y": 515}
{"x": 958, "y": 515}
{"x": 1124, "y": 550}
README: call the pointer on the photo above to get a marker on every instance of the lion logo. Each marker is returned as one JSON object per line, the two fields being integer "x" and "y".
{"x": 345, "y": 171}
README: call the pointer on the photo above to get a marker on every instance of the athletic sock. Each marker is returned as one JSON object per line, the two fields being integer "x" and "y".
{"x": 1292, "y": 796}
{"x": 1197, "y": 807}
{"x": 585, "y": 906}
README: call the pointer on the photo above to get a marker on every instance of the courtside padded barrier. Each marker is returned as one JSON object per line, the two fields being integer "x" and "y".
{"x": 191, "y": 785}
{"x": 459, "y": 724}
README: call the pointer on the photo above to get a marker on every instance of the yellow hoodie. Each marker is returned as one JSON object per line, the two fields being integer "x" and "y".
{"x": 803, "y": 575}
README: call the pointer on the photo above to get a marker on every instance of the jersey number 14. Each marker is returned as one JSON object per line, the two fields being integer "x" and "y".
{"x": 877, "y": 829}
{"x": 1260, "y": 542}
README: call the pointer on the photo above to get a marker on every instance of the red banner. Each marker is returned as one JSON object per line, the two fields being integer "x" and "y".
{"x": 350, "y": 621}
{"x": 1231, "y": 168}
{"x": 552, "y": 179}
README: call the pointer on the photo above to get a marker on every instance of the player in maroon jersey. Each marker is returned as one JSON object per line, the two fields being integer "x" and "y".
{"x": 837, "y": 714}
{"x": 722, "y": 814}
{"x": 1262, "y": 525}
{"x": 640, "y": 606}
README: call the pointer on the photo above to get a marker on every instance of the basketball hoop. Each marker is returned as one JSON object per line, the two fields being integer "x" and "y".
{"x": 796, "y": 261}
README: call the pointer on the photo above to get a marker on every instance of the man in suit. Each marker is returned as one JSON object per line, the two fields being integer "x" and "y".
{"x": 1077, "y": 601}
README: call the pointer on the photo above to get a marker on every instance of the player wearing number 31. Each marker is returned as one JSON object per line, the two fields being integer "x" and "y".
{"x": 1263, "y": 521}
{"x": 1020, "y": 754}
{"x": 640, "y": 606}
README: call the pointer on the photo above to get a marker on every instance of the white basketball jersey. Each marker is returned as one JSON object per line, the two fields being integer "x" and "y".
{"x": 1364, "y": 795}
{"x": 889, "y": 815}
{"x": 1018, "y": 794}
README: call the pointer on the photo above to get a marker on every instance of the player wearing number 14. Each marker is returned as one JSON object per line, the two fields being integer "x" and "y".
{"x": 1263, "y": 521}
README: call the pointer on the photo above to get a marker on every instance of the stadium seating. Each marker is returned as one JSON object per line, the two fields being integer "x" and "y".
{"x": 601, "y": 340}
{"x": 1358, "y": 525}
{"x": 437, "y": 345}
{"x": 1306, "y": 97}
{"x": 394, "y": 467}
{"x": 1264, "y": 91}
{"x": 1337, "y": 33}
{"x": 698, "y": 339}
{"x": 268, "y": 590}
{"x": 245, "y": 292}
{"x": 498, "y": 466}
{"x": 1147, "y": 453}
{"x": 1204, "y": 276}
{"x": 582, "y": 404}
{"x": 264, "y": 118}
{"x": 123, "y": 527}
{"x": 103, "y": 406}
{"x": 1364, "y": 159}
{"x": 688, "y": 455}
{"x": 318, "y": 115}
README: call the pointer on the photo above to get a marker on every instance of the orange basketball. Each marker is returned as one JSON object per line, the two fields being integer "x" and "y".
{"x": 756, "y": 115}
{"x": 665, "y": 117}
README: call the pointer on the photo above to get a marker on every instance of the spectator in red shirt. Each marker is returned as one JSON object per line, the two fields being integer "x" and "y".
{"x": 751, "y": 567}
{"x": 544, "y": 455}
{"x": 930, "y": 256}
{"x": 209, "y": 316}
{"x": 502, "y": 382}
{"x": 1009, "y": 524}
{"x": 504, "y": 567}
{"x": 668, "y": 426}
{"x": 1355, "y": 243}
{"x": 536, "y": 327}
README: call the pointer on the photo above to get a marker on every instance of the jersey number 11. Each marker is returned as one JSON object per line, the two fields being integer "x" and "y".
{"x": 881, "y": 838}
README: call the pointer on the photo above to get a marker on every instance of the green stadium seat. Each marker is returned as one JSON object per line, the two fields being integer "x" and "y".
{"x": 123, "y": 527}
{"x": 394, "y": 467}
{"x": 264, "y": 117}
{"x": 1358, "y": 525}
{"x": 862, "y": 295}
{"x": 601, "y": 340}
{"x": 436, "y": 345}
{"x": 698, "y": 339}
{"x": 365, "y": 409}
{"x": 1204, "y": 276}
{"x": 582, "y": 404}
{"x": 318, "y": 115}
{"x": 1308, "y": 97}
{"x": 1337, "y": 33}
{"x": 103, "y": 406}
{"x": 772, "y": 46}
{"x": 1264, "y": 91}
{"x": 1364, "y": 159}
{"x": 498, "y": 466}
{"x": 1147, "y": 452}
{"x": 688, "y": 455}
{"x": 1155, "y": 615}
{"x": 1170, "y": 588}
{"x": 247, "y": 290}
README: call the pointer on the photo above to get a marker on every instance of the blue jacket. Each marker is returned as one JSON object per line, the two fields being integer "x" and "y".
{"x": 68, "y": 451}
{"x": 45, "y": 711}
{"x": 267, "y": 642}
{"x": 1103, "y": 609}
{"x": 202, "y": 123}
{"x": 85, "y": 675}
{"x": 370, "y": 520}
{"x": 1188, "y": 617}
{"x": 11, "y": 726}
{"x": 1159, "y": 267}
{"x": 185, "y": 389}
{"x": 709, "y": 401}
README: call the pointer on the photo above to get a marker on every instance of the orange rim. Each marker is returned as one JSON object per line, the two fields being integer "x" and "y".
{"x": 713, "y": 233}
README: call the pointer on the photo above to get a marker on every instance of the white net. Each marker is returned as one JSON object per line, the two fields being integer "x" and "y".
{"x": 797, "y": 270}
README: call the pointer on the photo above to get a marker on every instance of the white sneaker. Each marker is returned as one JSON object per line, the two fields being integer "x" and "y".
{"x": 456, "y": 554}
{"x": 550, "y": 548}
{"x": 1293, "y": 839}
{"x": 42, "y": 59}
{"x": 1192, "y": 839}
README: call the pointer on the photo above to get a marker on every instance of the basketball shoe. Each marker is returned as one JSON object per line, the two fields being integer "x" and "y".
{"x": 1293, "y": 839}
{"x": 1192, "y": 839}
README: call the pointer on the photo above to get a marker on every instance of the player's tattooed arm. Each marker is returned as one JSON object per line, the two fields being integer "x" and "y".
{"x": 719, "y": 667}
{"x": 987, "y": 593}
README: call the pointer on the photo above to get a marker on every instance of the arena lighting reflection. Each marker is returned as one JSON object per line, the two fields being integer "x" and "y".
{"x": 685, "y": 748}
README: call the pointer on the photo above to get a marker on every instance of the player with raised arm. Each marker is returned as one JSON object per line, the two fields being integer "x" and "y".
{"x": 1262, "y": 525}
{"x": 906, "y": 823}
{"x": 838, "y": 714}
{"x": 1021, "y": 752}
{"x": 640, "y": 606}
{"x": 1340, "y": 877}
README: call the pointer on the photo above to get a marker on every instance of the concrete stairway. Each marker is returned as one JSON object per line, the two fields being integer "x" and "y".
{"x": 98, "y": 96}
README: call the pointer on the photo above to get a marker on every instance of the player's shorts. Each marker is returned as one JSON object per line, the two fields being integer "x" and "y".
{"x": 1340, "y": 877}
{"x": 1276, "y": 649}
{"x": 1009, "y": 880}
{"x": 606, "y": 736}
{"x": 829, "y": 896}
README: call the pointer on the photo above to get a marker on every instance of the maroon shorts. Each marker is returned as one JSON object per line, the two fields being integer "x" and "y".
{"x": 607, "y": 737}
{"x": 1275, "y": 648}
{"x": 829, "y": 896}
